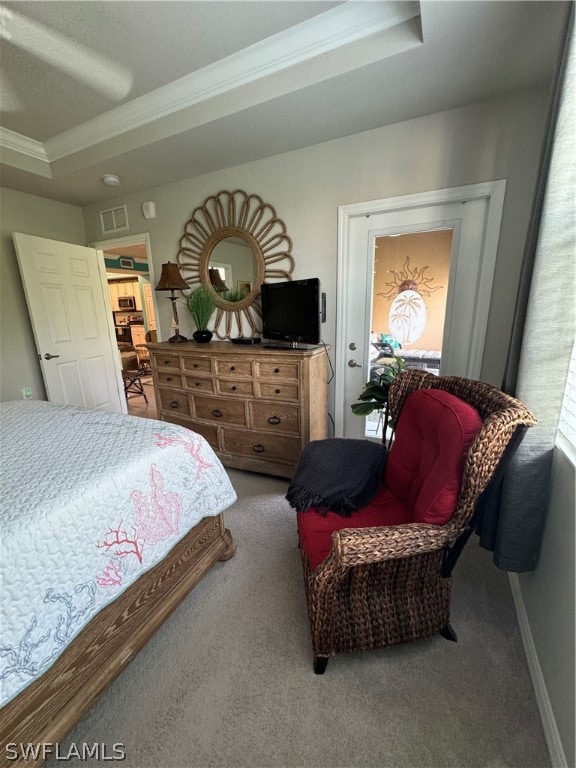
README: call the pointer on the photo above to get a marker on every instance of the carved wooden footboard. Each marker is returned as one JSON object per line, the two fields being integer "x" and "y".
{"x": 48, "y": 708}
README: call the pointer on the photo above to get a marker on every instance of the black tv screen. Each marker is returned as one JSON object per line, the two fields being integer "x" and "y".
{"x": 291, "y": 311}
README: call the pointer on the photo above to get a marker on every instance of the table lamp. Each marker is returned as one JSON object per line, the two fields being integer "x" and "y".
{"x": 171, "y": 280}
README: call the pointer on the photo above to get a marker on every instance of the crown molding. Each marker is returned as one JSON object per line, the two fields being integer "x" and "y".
{"x": 16, "y": 142}
{"x": 343, "y": 25}
{"x": 326, "y": 32}
{"x": 24, "y": 153}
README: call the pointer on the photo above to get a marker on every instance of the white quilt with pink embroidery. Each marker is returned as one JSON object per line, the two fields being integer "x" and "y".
{"x": 89, "y": 501}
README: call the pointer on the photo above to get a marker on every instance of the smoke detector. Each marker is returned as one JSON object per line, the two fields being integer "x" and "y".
{"x": 110, "y": 179}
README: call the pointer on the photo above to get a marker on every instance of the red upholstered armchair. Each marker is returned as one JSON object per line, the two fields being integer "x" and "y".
{"x": 382, "y": 576}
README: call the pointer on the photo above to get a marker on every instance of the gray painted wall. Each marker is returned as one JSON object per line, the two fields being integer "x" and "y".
{"x": 32, "y": 215}
{"x": 498, "y": 139}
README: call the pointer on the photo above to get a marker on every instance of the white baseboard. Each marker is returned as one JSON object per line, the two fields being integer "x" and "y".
{"x": 553, "y": 741}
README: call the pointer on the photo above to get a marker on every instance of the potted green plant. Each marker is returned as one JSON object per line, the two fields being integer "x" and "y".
{"x": 201, "y": 303}
{"x": 236, "y": 294}
{"x": 374, "y": 396}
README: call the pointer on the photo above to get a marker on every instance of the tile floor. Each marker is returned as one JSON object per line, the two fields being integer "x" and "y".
{"x": 137, "y": 405}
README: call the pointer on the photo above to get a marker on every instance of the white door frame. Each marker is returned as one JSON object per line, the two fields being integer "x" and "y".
{"x": 493, "y": 192}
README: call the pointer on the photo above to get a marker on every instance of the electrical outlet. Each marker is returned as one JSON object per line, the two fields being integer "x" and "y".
{"x": 27, "y": 393}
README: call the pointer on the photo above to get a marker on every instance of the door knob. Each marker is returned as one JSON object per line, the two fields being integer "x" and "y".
{"x": 353, "y": 364}
{"x": 48, "y": 356}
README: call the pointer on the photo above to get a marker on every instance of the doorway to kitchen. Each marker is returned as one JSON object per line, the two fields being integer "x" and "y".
{"x": 129, "y": 273}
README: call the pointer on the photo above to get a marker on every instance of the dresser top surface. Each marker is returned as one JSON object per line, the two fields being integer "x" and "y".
{"x": 226, "y": 347}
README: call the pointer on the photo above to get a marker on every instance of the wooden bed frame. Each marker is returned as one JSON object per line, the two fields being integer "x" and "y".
{"x": 47, "y": 709}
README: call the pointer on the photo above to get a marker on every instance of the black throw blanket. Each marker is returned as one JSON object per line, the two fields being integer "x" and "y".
{"x": 337, "y": 474}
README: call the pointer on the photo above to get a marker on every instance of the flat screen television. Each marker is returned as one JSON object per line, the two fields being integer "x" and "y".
{"x": 291, "y": 311}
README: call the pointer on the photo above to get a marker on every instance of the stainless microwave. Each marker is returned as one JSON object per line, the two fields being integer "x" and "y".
{"x": 126, "y": 302}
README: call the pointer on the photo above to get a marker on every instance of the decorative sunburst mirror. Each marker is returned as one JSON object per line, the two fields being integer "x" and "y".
{"x": 232, "y": 243}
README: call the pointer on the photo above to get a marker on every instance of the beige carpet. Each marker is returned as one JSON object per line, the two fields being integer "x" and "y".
{"x": 228, "y": 680}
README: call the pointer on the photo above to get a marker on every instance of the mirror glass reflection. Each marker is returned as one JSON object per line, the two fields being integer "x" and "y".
{"x": 232, "y": 268}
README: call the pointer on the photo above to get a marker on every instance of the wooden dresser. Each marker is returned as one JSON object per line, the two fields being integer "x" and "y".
{"x": 257, "y": 407}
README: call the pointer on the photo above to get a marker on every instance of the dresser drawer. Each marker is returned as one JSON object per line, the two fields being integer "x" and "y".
{"x": 235, "y": 387}
{"x": 279, "y": 370}
{"x": 171, "y": 379}
{"x": 174, "y": 401}
{"x": 278, "y": 391}
{"x": 166, "y": 361}
{"x": 257, "y": 407}
{"x": 198, "y": 384}
{"x": 275, "y": 418}
{"x": 260, "y": 445}
{"x": 220, "y": 411}
{"x": 197, "y": 364}
{"x": 233, "y": 368}
{"x": 210, "y": 434}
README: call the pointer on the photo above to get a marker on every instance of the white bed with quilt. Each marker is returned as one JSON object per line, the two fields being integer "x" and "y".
{"x": 107, "y": 522}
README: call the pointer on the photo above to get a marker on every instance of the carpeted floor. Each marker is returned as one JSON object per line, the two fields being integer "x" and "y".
{"x": 228, "y": 681}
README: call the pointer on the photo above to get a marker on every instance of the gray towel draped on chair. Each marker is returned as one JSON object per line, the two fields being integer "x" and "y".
{"x": 337, "y": 474}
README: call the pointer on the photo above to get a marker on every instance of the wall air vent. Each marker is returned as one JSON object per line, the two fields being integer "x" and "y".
{"x": 126, "y": 263}
{"x": 114, "y": 219}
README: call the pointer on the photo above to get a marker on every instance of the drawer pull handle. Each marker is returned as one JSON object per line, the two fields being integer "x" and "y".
{"x": 195, "y": 365}
{"x": 196, "y": 383}
{"x": 174, "y": 404}
{"x": 273, "y": 420}
{"x": 217, "y": 413}
{"x": 167, "y": 362}
{"x": 232, "y": 367}
{"x": 234, "y": 388}
{"x": 276, "y": 370}
{"x": 168, "y": 378}
{"x": 258, "y": 448}
{"x": 277, "y": 391}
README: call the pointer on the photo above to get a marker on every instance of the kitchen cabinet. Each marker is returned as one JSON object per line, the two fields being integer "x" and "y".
{"x": 138, "y": 334}
{"x": 123, "y": 288}
{"x": 149, "y": 306}
{"x": 257, "y": 407}
{"x": 137, "y": 295}
{"x": 113, "y": 290}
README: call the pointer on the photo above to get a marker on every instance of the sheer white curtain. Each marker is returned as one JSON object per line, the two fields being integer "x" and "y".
{"x": 543, "y": 335}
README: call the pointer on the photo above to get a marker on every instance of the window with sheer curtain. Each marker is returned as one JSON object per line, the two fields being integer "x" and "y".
{"x": 537, "y": 369}
{"x": 567, "y": 424}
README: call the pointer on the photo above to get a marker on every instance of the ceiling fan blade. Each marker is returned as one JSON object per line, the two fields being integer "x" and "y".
{"x": 9, "y": 100}
{"x": 76, "y": 59}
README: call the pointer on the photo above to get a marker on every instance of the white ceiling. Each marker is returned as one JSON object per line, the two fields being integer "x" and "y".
{"x": 160, "y": 91}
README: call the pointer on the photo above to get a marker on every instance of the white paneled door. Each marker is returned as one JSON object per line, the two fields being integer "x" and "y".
{"x": 69, "y": 308}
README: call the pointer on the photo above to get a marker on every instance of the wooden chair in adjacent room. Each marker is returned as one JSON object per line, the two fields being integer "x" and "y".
{"x": 144, "y": 353}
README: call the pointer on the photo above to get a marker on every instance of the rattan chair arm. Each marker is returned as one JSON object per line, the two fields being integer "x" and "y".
{"x": 359, "y": 546}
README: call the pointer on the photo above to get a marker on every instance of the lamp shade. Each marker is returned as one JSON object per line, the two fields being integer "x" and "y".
{"x": 171, "y": 279}
{"x": 216, "y": 279}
